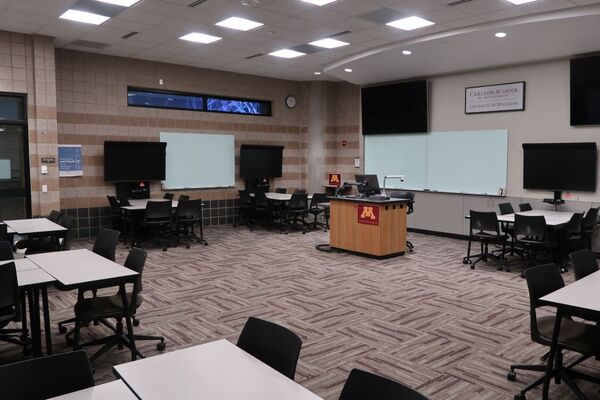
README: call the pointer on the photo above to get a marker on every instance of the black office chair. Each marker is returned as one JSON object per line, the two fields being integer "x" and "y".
{"x": 589, "y": 226}
{"x": 168, "y": 196}
{"x": 362, "y": 385}
{"x": 103, "y": 308}
{"x": 106, "y": 242}
{"x": 115, "y": 213}
{"x": 3, "y": 232}
{"x": 187, "y": 216}
{"x": 183, "y": 197}
{"x": 574, "y": 234}
{"x": 54, "y": 216}
{"x": 506, "y": 208}
{"x": 484, "y": 228}
{"x": 583, "y": 262}
{"x": 46, "y": 377}
{"x": 262, "y": 210}
{"x": 245, "y": 209}
{"x": 65, "y": 238}
{"x": 319, "y": 206}
{"x": 531, "y": 236}
{"x": 10, "y": 304}
{"x": 157, "y": 217}
{"x": 525, "y": 207}
{"x": 574, "y": 336}
{"x": 276, "y": 346}
{"x": 281, "y": 190}
{"x": 6, "y": 252}
{"x": 299, "y": 191}
{"x": 295, "y": 211}
{"x": 410, "y": 208}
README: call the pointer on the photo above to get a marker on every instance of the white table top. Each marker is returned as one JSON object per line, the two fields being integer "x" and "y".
{"x": 217, "y": 370}
{"x": 9, "y": 230}
{"x": 279, "y": 196}
{"x": 22, "y": 264}
{"x": 140, "y": 204}
{"x": 28, "y": 273}
{"x": 553, "y": 218}
{"x": 583, "y": 293}
{"x": 35, "y": 225}
{"x": 115, "y": 390}
{"x": 79, "y": 266}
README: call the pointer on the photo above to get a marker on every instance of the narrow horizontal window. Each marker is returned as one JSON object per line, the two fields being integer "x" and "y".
{"x": 234, "y": 106}
{"x": 165, "y": 100}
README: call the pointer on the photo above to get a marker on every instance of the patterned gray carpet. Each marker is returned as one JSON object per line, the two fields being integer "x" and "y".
{"x": 424, "y": 319}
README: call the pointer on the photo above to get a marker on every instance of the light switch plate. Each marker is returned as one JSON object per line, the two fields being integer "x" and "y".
{"x": 357, "y": 163}
{"x": 44, "y": 169}
{"x": 44, "y": 188}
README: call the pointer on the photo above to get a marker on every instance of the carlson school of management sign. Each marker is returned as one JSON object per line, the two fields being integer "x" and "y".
{"x": 495, "y": 98}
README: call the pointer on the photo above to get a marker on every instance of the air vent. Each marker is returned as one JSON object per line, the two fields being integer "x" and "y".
{"x": 196, "y": 3}
{"x": 458, "y": 2}
{"x": 89, "y": 44}
{"x": 130, "y": 34}
{"x": 254, "y": 56}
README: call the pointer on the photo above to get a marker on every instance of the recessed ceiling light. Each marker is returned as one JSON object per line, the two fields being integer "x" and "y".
{"x": 83, "y": 16}
{"x": 317, "y": 73}
{"x": 348, "y": 70}
{"x": 406, "y": 52}
{"x": 517, "y": 2}
{"x": 500, "y": 35}
{"x": 200, "y": 38}
{"x": 410, "y": 23}
{"x": 124, "y": 3}
{"x": 329, "y": 43}
{"x": 287, "y": 53}
{"x": 319, "y": 2}
{"x": 241, "y": 24}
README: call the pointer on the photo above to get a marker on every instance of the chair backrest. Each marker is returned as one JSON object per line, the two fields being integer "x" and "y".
{"x": 298, "y": 201}
{"x": 299, "y": 191}
{"x": 158, "y": 211}
{"x": 318, "y": 198}
{"x": 46, "y": 377}
{"x": 583, "y": 262}
{"x": 484, "y": 221}
{"x": 106, "y": 242}
{"x": 189, "y": 210}
{"x": 54, "y": 216}
{"x": 115, "y": 208}
{"x": 245, "y": 198}
{"x": 6, "y": 252}
{"x": 525, "y": 207}
{"x": 541, "y": 280}
{"x": 506, "y": 208}
{"x": 3, "y": 232}
{"x": 276, "y": 346}
{"x": 589, "y": 221}
{"x": 124, "y": 202}
{"x": 67, "y": 221}
{"x": 184, "y": 197}
{"x": 533, "y": 226}
{"x": 136, "y": 259}
{"x": 281, "y": 190}
{"x": 9, "y": 287}
{"x": 362, "y": 385}
{"x": 260, "y": 199}
{"x": 575, "y": 224}
{"x": 168, "y": 196}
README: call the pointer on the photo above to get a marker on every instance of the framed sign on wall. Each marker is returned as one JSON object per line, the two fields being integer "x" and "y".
{"x": 503, "y": 97}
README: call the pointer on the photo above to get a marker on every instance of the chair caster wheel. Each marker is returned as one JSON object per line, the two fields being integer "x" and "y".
{"x": 466, "y": 261}
{"x": 161, "y": 346}
{"x": 62, "y": 329}
{"x": 187, "y": 246}
{"x": 523, "y": 274}
{"x": 206, "y": 243}
{"x": 519, "y": 396}
{"x": 164, "y": 249}
{"x": 472, "y": 266}
{"x": 136, "y": 322}
{"x": 512, "y": 376}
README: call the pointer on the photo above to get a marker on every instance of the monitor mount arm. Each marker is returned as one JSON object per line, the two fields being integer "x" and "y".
{"x": 401, "y": 177}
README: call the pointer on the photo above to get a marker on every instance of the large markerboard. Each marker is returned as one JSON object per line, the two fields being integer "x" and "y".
{"x": 472, "y": 162}
{"x": 197, "y": 160}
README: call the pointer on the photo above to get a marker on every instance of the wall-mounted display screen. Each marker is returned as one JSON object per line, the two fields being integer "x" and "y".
{"x": 585, "y": 91}
{"x": 261, "y": 161}
{"x": 134, "y": 161}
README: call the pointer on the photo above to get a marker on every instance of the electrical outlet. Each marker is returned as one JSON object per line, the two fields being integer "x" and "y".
{"x": 357, "y": 163}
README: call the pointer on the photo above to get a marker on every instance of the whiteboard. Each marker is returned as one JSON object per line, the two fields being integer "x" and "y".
{"x": 196, "y": 160}
{"x": 473, "y": 162}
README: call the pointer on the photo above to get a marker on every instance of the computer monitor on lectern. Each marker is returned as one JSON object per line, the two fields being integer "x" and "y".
{"x": 369, "y": 184}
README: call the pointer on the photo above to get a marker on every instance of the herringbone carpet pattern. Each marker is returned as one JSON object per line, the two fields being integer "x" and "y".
{"x": 424, "y": 319}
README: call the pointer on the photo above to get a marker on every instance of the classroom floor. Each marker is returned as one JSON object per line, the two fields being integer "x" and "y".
{"x": 424, "y": 319}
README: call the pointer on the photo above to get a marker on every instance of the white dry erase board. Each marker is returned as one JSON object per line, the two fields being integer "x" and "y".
{"x": 198, "y": 160}
{"x": 473, "y": 162}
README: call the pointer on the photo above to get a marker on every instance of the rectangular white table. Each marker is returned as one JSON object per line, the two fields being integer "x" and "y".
{"x": 33, "y": 226}
{"x": 213, "y": 371}
{"x": 553, "y": 218}
{"x": 582, "y": 296}
{"x": 21, "y": 264}
{"x": 115, "y": 390}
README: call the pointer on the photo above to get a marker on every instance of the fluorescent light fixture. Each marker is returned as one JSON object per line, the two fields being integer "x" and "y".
{"x": 348, "y": 70}
{"x": 410, "y": 23}
{"x": 406, "y": 52}
{"x": 287, "y": 53}
{"x": 200, "y": 38}
{"x": 317, "y": 73}
{"x": 241, "y": 24}
{"x": 319, "y": 2}
{"x": 83, "y": 16}
{"x": 518, "y": 2}
{"x": 329, "y": 43}
{"x": 123, "y": 3}
{"x": 500, "y": 35}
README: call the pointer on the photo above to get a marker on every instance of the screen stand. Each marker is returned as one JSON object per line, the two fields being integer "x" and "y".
{"x": 557, "y": 200}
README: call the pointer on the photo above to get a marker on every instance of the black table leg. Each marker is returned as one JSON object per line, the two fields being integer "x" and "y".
{"x": 47, "y": 331}
{"x": 34, "y": 317}
{"x": 127, "y": 311}
{"x": 552, "y": 355}
{"x": 25, "y": 333}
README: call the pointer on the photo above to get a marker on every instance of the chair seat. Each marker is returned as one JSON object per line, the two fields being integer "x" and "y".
{"x": 574, "y": 336}
{"x": 489, "y": 236}
{"x": 95, "y": 308}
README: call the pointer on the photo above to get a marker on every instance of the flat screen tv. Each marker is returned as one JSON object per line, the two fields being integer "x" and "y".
{"x": 258, "y": 161}
{"x": 134, "y": 161}
{"x": 560, "y": 166}
{"x": 585, "y": 91}
{"x": 397, "y": 108}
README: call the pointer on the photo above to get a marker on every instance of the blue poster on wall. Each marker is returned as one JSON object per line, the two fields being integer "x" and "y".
{"x": 69, "y": 160}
